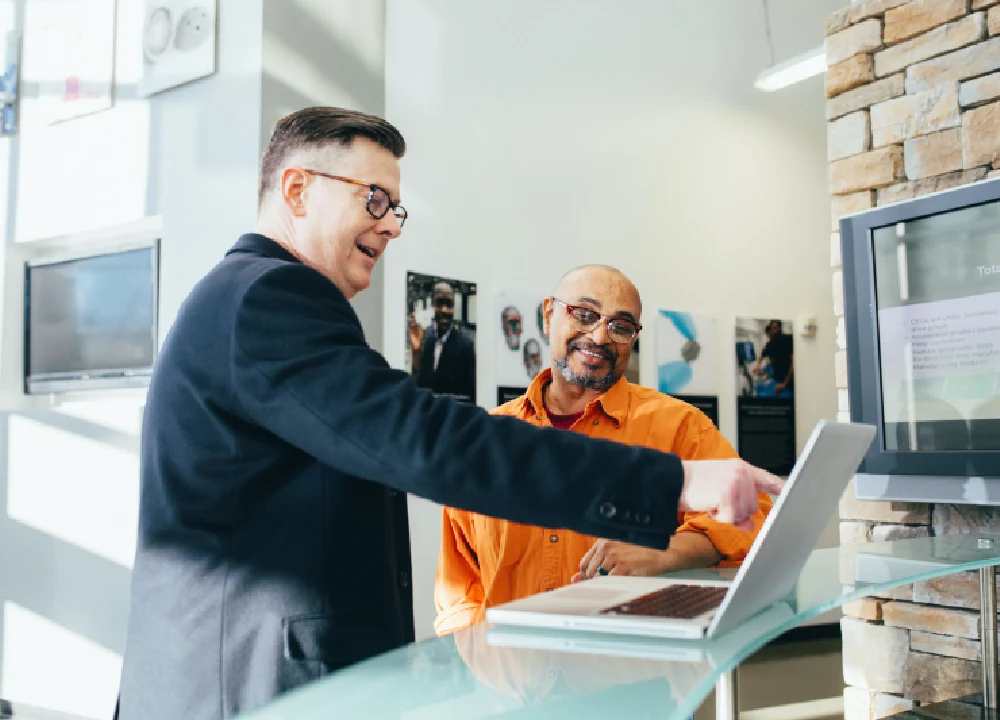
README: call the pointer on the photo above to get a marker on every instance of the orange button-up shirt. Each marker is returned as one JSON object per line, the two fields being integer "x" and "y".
{"x": 486, "y": 561}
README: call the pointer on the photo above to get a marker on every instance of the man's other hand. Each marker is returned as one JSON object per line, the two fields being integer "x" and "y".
{"x": 618, "y": 558}
{"x": 726, "y": 490}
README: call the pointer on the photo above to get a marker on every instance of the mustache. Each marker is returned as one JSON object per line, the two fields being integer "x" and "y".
{"x": 604, "y": 351}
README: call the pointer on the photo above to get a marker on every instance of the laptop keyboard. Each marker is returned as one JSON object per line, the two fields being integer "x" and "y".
{"x": 682, "y": 602}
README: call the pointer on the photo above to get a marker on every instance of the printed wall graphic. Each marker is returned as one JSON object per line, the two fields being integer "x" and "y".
{"x": 687, "y": 359}
{"x": 522, "y": 347}
{"x": 765, "y": 393}
{"x": 9, "y": 91}
{"x": 441, "y": 334}
{"x": 178, "y": 43}
{"x": 69, "y": 52}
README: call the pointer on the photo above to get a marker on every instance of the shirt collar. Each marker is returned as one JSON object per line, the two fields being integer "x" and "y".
{"x": 260, "y": 245}
{"x": 614, "y": 403}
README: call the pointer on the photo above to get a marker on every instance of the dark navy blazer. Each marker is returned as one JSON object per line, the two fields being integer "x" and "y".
{"x": 277, "y": 451}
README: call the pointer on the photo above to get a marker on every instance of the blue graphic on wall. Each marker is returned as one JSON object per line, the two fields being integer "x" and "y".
{"x": 685, "y": 357}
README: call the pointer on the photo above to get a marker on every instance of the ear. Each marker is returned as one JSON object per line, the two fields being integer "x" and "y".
{"x": 548, "y": 305}
{"x": 294, "y": 185}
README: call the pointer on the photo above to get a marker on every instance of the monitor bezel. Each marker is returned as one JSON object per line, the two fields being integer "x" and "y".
{"x": 136, "y": 376}
{"x": 861, "y": 328}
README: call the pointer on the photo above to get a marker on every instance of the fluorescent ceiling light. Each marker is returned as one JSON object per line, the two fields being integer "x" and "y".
{"x": 792, "y": 70}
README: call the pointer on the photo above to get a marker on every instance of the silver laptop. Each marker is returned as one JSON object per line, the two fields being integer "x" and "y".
{"x": 676, "y": 608}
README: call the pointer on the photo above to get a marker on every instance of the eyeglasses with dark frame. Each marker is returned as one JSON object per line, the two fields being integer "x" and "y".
{"x": 378, "y": 203}
{"x": 621, "y": 330}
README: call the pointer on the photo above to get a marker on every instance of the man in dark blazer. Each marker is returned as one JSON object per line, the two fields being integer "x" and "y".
{"x": 445, "y": 360}
{"x": 278, "y": 448}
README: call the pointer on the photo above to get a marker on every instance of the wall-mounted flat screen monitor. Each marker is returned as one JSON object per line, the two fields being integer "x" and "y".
{"x": 90, "y": 321}
{"x": 922, "y": 316}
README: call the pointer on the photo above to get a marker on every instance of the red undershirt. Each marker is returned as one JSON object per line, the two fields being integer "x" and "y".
{"x": 563, "y": 422}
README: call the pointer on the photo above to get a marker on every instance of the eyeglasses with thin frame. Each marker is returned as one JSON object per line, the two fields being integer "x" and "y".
{"x": 378, "y": 203}
{"x": 620, "y": 330}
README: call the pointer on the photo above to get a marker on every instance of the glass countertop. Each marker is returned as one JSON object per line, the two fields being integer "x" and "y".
{"x": 491, "y": 671}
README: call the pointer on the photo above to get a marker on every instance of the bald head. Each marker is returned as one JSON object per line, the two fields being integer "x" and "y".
{"x": 599, "y": 276}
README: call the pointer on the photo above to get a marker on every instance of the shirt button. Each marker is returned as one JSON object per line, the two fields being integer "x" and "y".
{"x": 404, "y": 580}
{"x": 553, "y": 538}
{"x": 597, "y": 422}
{"x": 538, "y": 417}
{"x": 608, "y": 510}
{"x": 643, "y": 518}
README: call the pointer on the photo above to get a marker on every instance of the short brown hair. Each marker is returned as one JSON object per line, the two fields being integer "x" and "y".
{"x": 319, "y": 126}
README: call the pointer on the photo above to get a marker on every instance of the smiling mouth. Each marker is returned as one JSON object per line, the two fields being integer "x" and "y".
{"x": 590, "y": 354}
{"x": 369, "y": 251}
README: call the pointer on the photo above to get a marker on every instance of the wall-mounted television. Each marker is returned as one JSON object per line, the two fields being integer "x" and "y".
{"x": 922, "y": 317}
{"x": 90, "y": 320}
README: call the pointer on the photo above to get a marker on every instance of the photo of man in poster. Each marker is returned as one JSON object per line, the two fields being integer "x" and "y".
{"x": 441, "y": 335}
{"x": 765, "y": 404}
{"x": 777, "y": 353}
{"x": 765, "y": 358}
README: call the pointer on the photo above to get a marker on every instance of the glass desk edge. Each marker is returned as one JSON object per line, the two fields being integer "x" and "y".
{"x": 936, "y": 556}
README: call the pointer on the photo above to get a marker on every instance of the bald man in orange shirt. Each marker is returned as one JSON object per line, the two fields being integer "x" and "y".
{"x": 592, "y": 322}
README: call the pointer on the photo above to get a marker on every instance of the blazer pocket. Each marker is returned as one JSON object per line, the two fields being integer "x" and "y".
{"x": 307, "y": 637}
{"x": 321, "y": 639}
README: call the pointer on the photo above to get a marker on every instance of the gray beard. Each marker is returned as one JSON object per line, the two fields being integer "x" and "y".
{"x": 587, "y": 382}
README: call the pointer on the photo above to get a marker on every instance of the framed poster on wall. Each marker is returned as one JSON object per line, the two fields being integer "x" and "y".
{"x": 69, "y": 52}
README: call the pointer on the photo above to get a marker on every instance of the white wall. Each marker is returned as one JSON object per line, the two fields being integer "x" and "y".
{"x": 546, "y": 135}
{"x": 69, "y": 486}
{"x": 327, "y": 52}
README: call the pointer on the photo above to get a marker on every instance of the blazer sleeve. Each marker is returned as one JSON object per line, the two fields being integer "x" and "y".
{"x": 458, "y": 585}
{"x": 302, "y": 370}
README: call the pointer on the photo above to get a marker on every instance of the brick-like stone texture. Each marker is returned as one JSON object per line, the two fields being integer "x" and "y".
{"x": 917, "y": 188}
{"x": 980, "y": 4}
{"x": 849, "y": 74}
{"x": 941, "y": 40}
{"x": 835, "y": 247}
{"x": 838, "y": 20}
{"x": 938, "y": 620}
{"x": 849, "y": 135}
{"x": 897, "y": 593}
{"x": 840, "y": 370}
{"x": 884, "y": 533}
{"x": 932, "y": 678}
{"x": 866, "y": 96}
{"x": 979, "y": 90}
{"x": 934, "y": 154}
{"x": 944, "y": 645}
{"x": 959, "y": 65}
{"x": 864, "y": 609}
{"x": 841, "y": 205}
{"x": 874, "y": 656}
{"x": 870, "y": 8}
{"x": 861, "y": 38}
{"x": 993, "y": 21}
{"x": 959, "y": 590}
{"x": 841, "y": 334}
{"x": 875, "y": 169}
{"x": 911, "y": 116}
{"x": 981, "y": 135}
{"x": 883, "y": 512}
{"x": 961, "y": 519}
{"x": 919, "y": 16}
{"x": 838, "y": 293}
{"x": 853, "y": 532}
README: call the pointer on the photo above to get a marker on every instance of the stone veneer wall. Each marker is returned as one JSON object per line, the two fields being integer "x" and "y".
{"x": 913, "y": 90}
